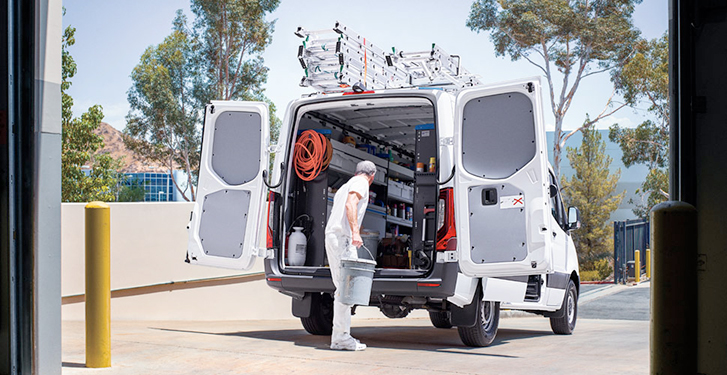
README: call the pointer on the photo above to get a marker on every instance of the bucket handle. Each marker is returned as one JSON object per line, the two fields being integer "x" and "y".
{"x": 369, "y": 251}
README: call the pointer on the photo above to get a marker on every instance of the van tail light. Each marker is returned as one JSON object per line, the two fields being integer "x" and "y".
{"x": 269, "y": 240}
{"x": 446, "y": 231}
{"x": 273, "y": 227}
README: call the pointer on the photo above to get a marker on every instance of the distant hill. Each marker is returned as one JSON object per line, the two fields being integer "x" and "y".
{"x": 132, "y": 163}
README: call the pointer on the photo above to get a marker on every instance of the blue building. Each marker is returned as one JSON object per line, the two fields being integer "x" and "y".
{"x": 158, "y": 186}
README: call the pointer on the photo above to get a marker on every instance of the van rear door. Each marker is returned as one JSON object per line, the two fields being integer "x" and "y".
{"x": 225, "y": 224}
{"x": 502, "y": 206}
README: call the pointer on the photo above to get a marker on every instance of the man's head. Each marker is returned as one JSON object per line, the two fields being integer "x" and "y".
{"x": 366, "y": 168}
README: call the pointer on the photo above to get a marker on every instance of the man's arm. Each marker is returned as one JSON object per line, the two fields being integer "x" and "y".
{"x": 352, "y": 216}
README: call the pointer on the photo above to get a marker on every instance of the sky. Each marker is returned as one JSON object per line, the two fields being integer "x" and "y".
{"x": 112, "y": 35}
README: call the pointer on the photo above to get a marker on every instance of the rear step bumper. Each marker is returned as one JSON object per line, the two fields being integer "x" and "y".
{"x": 439, "y": 284}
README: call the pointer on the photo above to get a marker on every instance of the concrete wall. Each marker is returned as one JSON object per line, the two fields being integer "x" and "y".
{"x": 148, "y": 246}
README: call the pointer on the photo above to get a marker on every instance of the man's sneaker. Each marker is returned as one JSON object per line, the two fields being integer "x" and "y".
{"x": 349, "y": 343}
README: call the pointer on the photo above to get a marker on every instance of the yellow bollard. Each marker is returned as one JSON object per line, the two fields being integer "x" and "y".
{"x": 98, "y": 285}
{"x": 637, "y": 265}
{"x": 648, "y": 264}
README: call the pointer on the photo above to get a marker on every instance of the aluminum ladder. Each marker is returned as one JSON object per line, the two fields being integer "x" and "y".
{"x": 336, "y": 59}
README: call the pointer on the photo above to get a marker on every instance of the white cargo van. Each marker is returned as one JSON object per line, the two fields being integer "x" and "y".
{"x": 485, "y": 230}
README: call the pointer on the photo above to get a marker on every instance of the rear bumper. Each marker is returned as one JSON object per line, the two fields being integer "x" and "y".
{"x": 440, "y": 283}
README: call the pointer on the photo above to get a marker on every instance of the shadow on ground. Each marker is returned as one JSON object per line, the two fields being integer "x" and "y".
{"x": 397, "y": 337}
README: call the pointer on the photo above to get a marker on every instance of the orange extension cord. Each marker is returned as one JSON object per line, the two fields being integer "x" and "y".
{"x": 311, "y": 155}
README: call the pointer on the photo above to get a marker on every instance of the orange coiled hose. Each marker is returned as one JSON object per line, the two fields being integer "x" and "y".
{"x": 311, "y": 155}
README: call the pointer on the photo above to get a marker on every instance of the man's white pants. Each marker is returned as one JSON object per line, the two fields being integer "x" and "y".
{"x": 339, "y": 247}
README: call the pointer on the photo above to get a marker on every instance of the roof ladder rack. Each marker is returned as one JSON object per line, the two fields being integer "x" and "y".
{"x": 336, "y": 59}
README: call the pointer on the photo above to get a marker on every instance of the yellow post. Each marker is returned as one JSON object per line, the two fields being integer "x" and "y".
{"x": 637, "y": 265}
{"x": 648, "y": 264}
{"x": 98, "y": 285}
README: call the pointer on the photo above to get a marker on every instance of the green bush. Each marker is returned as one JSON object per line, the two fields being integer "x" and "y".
{"x": 131, "y": 193}
{"x": 589, "y": 276}
{"x": 603, "y": 268}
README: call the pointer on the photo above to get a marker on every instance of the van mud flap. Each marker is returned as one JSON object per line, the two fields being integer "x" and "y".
{"x": 467, "y": 316}
{"x": 302, "y": 306}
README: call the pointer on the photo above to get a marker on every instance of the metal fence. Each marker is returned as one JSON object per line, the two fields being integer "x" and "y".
{"x": 628, "y": 236}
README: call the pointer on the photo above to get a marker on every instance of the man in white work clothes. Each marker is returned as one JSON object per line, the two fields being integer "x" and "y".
{"x": 342, "y": 238}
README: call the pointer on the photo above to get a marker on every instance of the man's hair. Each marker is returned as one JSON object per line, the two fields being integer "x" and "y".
{"x": 366, "y": 167}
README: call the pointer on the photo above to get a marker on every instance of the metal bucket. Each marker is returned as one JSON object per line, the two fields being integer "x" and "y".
{"x": 370, "y": 245}
{"x": 358, "y": 276}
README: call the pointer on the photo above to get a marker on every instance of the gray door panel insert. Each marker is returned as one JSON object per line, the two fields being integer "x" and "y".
{"x": 223, "y": 222}
{"x": 498, "y": 135}
{"x": 236, "y": 146}
{"x": 496, "y": 234}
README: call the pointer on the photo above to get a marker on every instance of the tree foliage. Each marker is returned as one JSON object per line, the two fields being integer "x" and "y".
{"x": 232, "y": 37}
{"x": 219, "y": 58}
{"x": 577, "y": 38}
{"x": 645, "y": 78}
{"x": 133, "y": 192}
{"x": 163, "y": 117}
{"x": 81, "y": 145}
{"x": 593, "y": 190}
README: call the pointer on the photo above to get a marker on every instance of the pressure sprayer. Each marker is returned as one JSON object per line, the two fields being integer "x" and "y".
{"x": 297, "y": 247}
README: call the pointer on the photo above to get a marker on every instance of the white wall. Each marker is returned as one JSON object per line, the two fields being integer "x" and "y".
{"x": 148, "y": 246}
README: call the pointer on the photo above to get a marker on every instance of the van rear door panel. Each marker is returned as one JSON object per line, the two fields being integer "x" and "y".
{"x": 502, "y": 180}
{"x": 225, "y": 226}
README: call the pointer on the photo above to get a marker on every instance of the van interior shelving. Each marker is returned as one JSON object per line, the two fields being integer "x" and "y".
{"x": 395, "y": 134}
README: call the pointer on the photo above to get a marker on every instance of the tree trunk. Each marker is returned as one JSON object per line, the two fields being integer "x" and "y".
{"x": 557, "y": 136}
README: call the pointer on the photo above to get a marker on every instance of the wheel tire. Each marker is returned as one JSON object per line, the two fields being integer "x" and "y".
{"x": 485, "y": 329}
{"x": 565, "y": 322}
{"x": 440, "y": 319}
{"x": 320, "y": 321}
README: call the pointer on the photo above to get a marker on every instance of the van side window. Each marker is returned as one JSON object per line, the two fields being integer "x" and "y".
{"x": 556, "y": 205}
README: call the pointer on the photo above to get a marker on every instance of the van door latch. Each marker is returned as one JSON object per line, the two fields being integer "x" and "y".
{"x": 489, "y": 196}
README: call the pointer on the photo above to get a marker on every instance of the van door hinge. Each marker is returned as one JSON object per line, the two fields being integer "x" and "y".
{"x": 446, "y": 141}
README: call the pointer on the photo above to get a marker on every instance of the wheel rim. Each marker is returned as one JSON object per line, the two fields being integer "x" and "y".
{"x": 487, "y": 314}
{"x": 571, "y": 307}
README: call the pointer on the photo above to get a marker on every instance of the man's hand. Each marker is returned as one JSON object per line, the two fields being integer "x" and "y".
{"x": 356, "y": 240}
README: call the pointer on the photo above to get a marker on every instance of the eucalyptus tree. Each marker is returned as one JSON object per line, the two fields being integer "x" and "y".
{"x": 568, "y": 40}
{"x": 645, "y": 79}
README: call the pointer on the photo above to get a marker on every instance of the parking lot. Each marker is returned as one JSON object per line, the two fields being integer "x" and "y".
{"x": 611, "y": 337}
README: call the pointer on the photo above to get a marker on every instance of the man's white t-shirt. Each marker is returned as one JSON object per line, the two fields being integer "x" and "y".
{"x": 337, "y": 222}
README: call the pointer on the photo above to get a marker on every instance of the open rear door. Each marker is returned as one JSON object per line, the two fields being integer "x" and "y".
{"x": 502, "y": 181}
{"x": 224, "y": 229}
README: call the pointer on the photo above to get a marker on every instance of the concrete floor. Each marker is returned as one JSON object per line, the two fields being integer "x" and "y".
{"x": 524, "y": 345}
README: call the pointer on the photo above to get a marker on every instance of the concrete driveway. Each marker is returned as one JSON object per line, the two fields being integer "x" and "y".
{"x": 524, "y": 345}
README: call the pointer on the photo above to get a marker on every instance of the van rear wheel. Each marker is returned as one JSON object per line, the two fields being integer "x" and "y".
{"x": 320, "y": 321}
{"x": 485, "y": 329}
